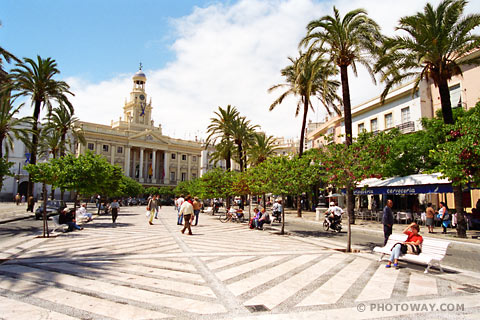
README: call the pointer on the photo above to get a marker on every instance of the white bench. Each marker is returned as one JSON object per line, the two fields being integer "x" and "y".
{"x": 57, "y": 224}
{"x": 433, "y": 251}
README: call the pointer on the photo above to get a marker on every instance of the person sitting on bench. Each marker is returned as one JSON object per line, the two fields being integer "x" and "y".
{"x": 413, "y": 244}
{"x": 265, "y": 218}
{"x": 67, "y": 216}
{"x": 82, "y": 212}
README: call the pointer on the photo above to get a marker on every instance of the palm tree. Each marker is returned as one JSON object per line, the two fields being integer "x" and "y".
{"x": 10, "y": 127}
{"x": 242, "y": 134}
{"x": 349, "y": 40}
{"x": 435, "y": 44}
{"x": 36, "y": 79}
{"x": 307, "y": 76}
{"x": 62, "y": 120}
{"x": 223, "y": 150}
{"x": 262, "y": 149}
{"x": 220, "y": 128}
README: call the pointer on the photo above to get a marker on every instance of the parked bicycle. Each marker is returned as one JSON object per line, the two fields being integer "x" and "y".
{"x": 232, "y": 215}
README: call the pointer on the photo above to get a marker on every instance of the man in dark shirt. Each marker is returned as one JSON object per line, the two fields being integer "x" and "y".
{"x": 387, "y": 220}
{"x": 67, "y": 216}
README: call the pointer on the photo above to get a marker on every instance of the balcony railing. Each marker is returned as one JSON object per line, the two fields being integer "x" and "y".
{"x": 406, "y": 127}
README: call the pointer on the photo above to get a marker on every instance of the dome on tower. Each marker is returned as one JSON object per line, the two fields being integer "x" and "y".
{"x": 139, "y": 75}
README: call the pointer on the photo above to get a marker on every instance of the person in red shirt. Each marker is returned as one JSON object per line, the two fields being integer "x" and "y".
{"x": 414, "y": 242}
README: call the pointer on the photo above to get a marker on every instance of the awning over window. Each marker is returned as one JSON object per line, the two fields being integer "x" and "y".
{"x": 413, "y": 184}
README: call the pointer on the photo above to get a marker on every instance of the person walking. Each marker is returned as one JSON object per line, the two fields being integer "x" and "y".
{"x": 179, "y": 204}
{"x": 387, "y": 220}
{"x": 196, "y": 209}
{"x": 30, "y": 203}
{"x": 115, "y": 207}
{"x": 186, "y": 210}
{"x": 152, "y": 204}
{"x": 430, "y": 215}
{"x": 17, "y": 198}
{"x": 444, "y": 216}
{"x": 157, "y": 198}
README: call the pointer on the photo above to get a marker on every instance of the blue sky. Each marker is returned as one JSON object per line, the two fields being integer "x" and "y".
{"x": 197, "y": 55}
{"x": 95, "y": 39}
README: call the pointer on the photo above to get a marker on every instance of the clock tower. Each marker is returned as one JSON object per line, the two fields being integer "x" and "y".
{"x": 138, "y": 111}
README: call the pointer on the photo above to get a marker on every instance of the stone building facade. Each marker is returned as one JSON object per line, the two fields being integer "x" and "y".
{"x": 138, "y": 146}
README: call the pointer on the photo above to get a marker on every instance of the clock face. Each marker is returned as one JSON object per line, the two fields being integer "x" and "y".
{"x": 142, "y": 97}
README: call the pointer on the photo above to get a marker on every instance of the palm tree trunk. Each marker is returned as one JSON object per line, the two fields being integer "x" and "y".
{"x": 347, "y": 112}
{"x": 446, "y": 102}
{"x": 304, "y": 124}
{"x": 302, "y": 144}
{"x": 1, "y": 147}
{"x": 33, "y": 151}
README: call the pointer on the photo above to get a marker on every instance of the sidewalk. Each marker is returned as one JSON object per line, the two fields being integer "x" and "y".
{"x": 375, "y": 226}
{"x": 9, "y": 211}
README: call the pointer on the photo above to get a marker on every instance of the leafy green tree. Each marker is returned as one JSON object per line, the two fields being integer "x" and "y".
{"x": 217, "y": 183}
{"x": 348, "y": 165}
{"x": 88, "y": 174}
{"x": 152, "y": 191}
{"x": 36, "y": 79}
{"x": 129, "y": 187}
{"x": 434, "y": 46}
{"x": 166, "y": 191}
{"x": 308, "y": 76}
{"x": 458, "y": 157}
{"x": 349, "y": 40}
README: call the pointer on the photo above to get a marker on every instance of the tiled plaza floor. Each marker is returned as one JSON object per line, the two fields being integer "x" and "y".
{"x": 224, "y": 271}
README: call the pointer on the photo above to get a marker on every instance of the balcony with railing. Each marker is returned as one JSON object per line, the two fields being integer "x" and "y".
{"x": 406, "y": 127}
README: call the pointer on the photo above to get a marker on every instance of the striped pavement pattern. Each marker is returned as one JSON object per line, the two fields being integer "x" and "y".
{"x": 137, "y": 271}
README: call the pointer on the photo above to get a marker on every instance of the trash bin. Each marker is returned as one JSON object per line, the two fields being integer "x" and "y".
{"x": 318, "y": 214}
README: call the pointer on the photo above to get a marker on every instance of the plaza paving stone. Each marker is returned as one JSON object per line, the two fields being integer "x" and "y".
{"x": 132, "y": 270}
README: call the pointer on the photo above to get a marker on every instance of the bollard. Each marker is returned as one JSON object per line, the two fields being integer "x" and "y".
{"x": 318, "y": 213}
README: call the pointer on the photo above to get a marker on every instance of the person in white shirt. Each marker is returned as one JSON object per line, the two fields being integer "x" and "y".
{"x": 82, "y": 212}
{"x": 179, "y": 204}
{"x": 186, "y": 211}
{"x": 334, "y": 212}
{"x": 277, "y": 209}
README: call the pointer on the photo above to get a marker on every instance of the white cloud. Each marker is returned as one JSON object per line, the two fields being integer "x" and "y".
{"x": 231, "y": 54}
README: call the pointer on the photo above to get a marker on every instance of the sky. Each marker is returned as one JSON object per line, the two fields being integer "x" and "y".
{"x": 197, "y": 55}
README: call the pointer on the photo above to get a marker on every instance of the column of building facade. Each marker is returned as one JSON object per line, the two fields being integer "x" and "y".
{"x": 127, "y": 161}
{"x": 189, "y": 172}
{"x": 112, "y": 155}
{"x": 154, "y": 165}
{"x": 166, "y": 168}
{"x": 178, "y": 176}
{"x": 140, "y": 169}
{"x": 133, "y": 156}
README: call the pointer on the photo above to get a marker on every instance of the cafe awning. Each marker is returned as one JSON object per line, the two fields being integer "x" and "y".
{"x": 413, "y": 184}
